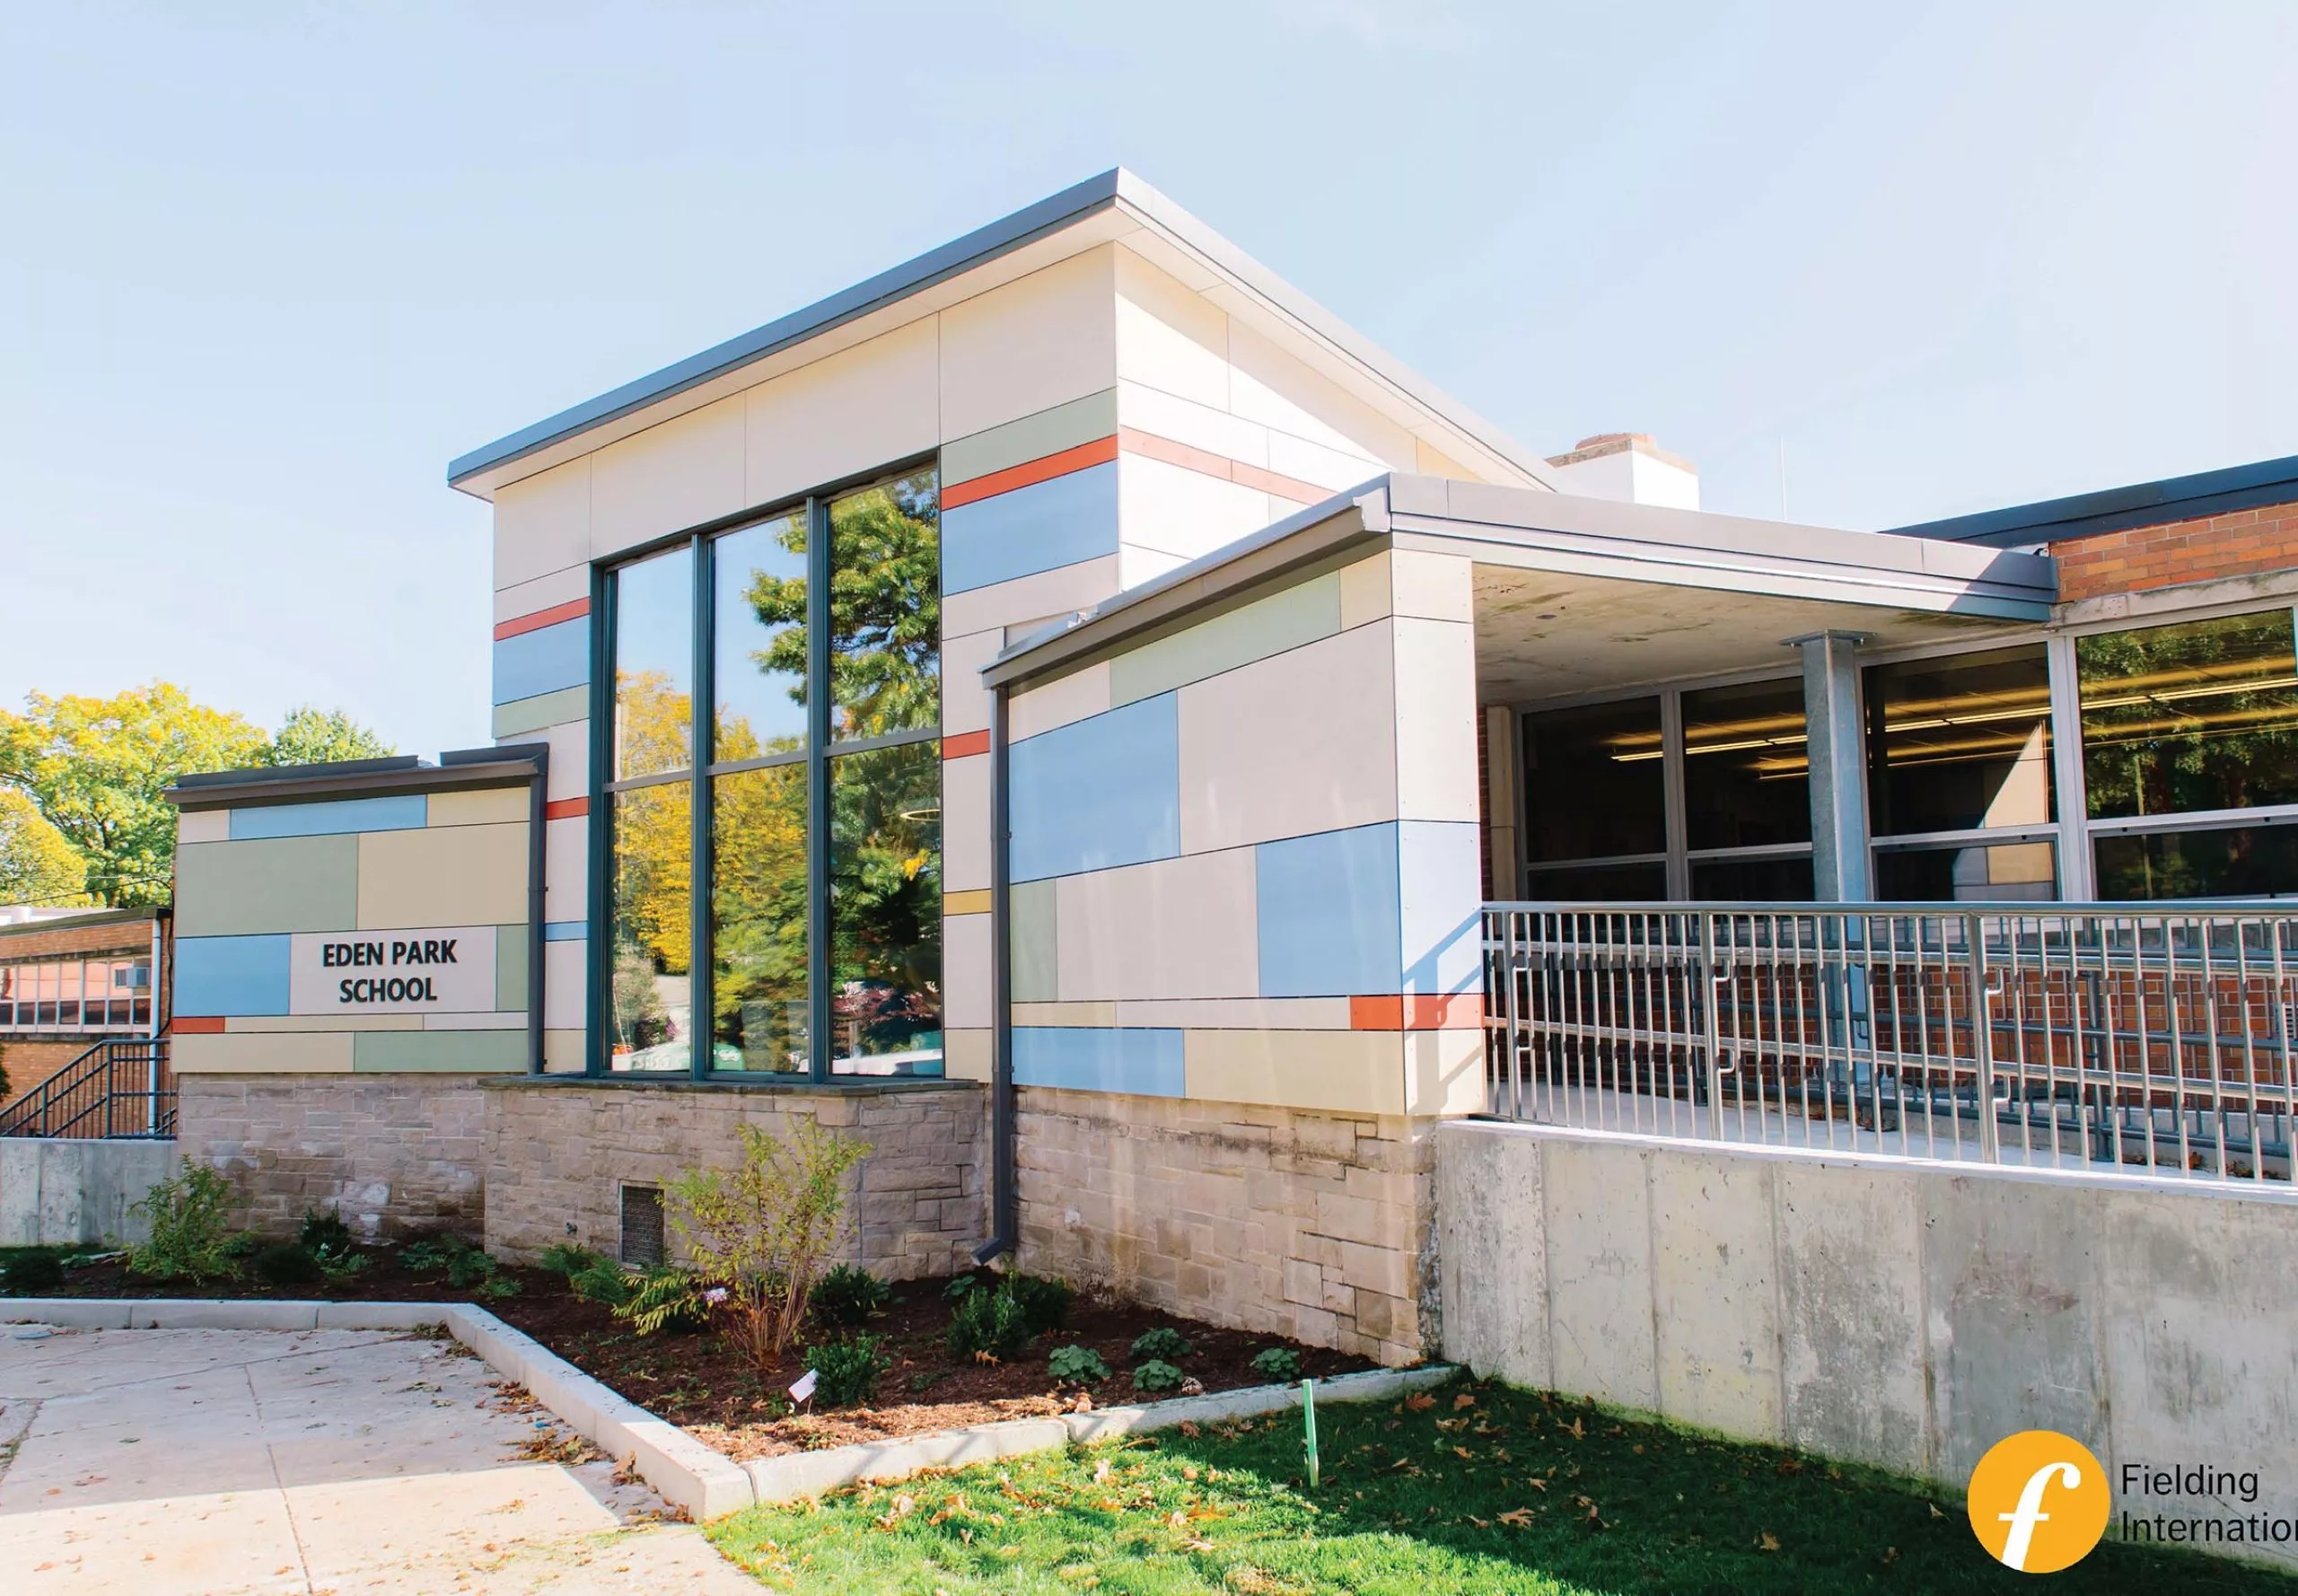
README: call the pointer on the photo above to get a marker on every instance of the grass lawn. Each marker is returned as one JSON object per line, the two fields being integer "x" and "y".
{"x": 1485, "y": 1489}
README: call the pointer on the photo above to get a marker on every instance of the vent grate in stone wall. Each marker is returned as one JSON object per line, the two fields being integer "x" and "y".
{"x": 642, "y": 1226}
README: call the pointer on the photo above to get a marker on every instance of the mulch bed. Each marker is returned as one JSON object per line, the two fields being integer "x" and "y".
{"x": 701, "y": 1382}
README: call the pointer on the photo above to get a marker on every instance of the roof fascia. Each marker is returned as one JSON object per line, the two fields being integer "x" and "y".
{"x": 2118, "y": 509}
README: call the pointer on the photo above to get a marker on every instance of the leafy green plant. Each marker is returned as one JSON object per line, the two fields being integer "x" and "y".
{"x": 1277, "y": 1363}
{"x": 1045, "y": 1303}
{"x": 432, "y": 1252}
{"x": 496, "y": 1287}
{"x": 30, "y": 1272}
{"x": 324, "y": 1233}
{"x": 191, "y": 1238}
{"x": 1157, "y": 1375}
{"x": 566, "y": 1259}
{"x": 605, "y": 1282}
{"x": 762, "y": 1231}
{"x": 470, "y": 1269}
{"x": 846, "y": 1371}
{"x": 666, "y": 1300}
{"x": 285, "y": 1263}
{"x": 959, "y": 1285}
{"x": 1077, "y": 1366}
{"x": 1163, "y": 1344}
{"x": 850, "y": 1295}
{"x": 341, "y": 1268}
{"x": 987, "y": 1325}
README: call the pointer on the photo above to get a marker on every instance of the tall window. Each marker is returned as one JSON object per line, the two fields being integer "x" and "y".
{"x": 2190, "y": 757}
{"x": 1958, "y": 776}
{"x": 775, "y": 864}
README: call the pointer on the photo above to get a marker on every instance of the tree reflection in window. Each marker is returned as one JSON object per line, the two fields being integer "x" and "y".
{"x": 2195, "y": 716}
{"x": 886, "y": 907}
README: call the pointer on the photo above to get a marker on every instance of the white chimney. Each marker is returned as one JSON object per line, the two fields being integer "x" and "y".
{"x": 1626, "y": 466}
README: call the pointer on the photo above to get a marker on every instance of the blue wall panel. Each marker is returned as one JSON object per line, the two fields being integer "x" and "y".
{"x": 566, "y": 931}
{"x": 1443, "y": 911}
{"x": 1062, "y": 521}
{"x": 1328, "y": 912}
{"x": 543, "y": 661}
{"x": 1146, "y": 1063}
{"x": 1099, "y": 793}
{"x": 230, "y": 974}
{"x": 407, "y": 812}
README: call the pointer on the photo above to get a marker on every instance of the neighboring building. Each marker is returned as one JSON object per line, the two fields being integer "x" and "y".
{"x": 1060, "y": 708}
{"x": 70, "y": 978}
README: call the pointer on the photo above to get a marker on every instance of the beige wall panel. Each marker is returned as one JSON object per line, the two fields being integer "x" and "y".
{"x": 565, "y": 869}
{"x": 1176, "y": 510}
{"x": 281, "y": 883}
{"x": 1435, "y": 720}
{"x": 569, "y": 775}
{"x": 1433, "y": 586}
{"x": 542, "y": 523}
{"x": 1200, "y": 425}
{"x": 853, "y": 412}
{"x": 1072, "y": 698}
{"x": 308, "y": 1053}
{"x": 479, "y": 806}
{"x": 1269, "y": 386}
{"x": 1434, "y": 462}
{"x": 1174, "y": 928}
{"x": 446, "y": 875}
{"x": 1357, "y": 1072}
{"x": 965, "y": 971}
{"x": 501, "y": 1020}
{"x": 1168, "y": 338}
{"x": 1365, "y": 591}
{"x": 1444, "y": 1072}
{"x": 1138, "y": 566}
{"x": 967, "y": 1054}
{"x": 1302, "y": 742}
{"x": 1035, "y": 343}
{"x": 1033, "y": 437}
{"x": 544, "y": 592}
{"x": 965, "y": 824}
{"x": 1056, "y": 592}
{"x": 1097, "y": 1016}
{"x": 965, "y": 702}
{"x": 562, "y": 1052}
{"x": 1331, "y": 469}
{"x": 565, "y": 982}
{"x": 671, "y": 476}
{"x": 1236, "y": 1013}
{"x": 269, "y": 1024}
{"x": 202, "y": 825}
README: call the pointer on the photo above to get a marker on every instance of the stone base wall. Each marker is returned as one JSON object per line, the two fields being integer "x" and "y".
{"x": 1311, "y": 1225}
{"x": 559, "y": 1152}
{"x": 393, "y": 1154}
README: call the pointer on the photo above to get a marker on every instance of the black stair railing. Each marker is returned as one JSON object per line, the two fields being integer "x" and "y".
{"x": 120, "y": 1086}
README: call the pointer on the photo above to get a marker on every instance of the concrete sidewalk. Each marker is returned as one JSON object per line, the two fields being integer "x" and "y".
{"x": 350, "y": 1462}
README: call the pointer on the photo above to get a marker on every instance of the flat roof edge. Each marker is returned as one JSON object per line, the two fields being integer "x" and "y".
{"x": 1001, "y": 237}
{"x": 2118, "y": 509}
{"x": 294, "y": 784}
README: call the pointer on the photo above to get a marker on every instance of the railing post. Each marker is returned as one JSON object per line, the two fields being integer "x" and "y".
{"x": 1705, "y": 985}
{"x": 1982, "y": 1041}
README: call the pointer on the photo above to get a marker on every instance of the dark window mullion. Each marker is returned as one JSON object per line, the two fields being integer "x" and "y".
{"x": 600, "y": 912}
{"x": 818, "y": 737}
{"x": 699, "y": 1028}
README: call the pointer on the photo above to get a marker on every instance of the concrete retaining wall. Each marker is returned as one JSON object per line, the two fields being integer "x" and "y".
{"x": 68, "y": 1191}
{"x": 1875, "y": 1310}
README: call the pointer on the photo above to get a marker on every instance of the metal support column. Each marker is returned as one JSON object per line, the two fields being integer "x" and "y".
{"x": 1838, "y": 763}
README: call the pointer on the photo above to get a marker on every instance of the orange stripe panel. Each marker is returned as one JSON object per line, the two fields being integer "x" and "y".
{"x": 197, "y": 1025}
{"x": 965, "y": 743}
{"x": 565, "y": 809}
{"x": 1458, "y": 1010}
{"x": 1190, "y": 458}
{"x": 1098, "y": 452}
{"x": 572, "y": 609}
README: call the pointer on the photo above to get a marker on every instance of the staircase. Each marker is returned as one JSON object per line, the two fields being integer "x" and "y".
{"x": 121, "y": 1087}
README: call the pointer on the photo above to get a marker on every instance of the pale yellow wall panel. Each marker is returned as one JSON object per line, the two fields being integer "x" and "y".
{"x": 966, "y": 1055}
{"x": 1434, "y": 462}
{"x": 479, "y": 806}
{"x": 854, "y": 411}
{"x": 1180, "y": 927}
{"x": 1235, "y": 1014}
{"x": 1072, "y": 698}
{"x": 266, "y": 1024}
{"x": 444, "y": 875}
{"x": 202, "y": 825}
{"x": 569, "y": 775}
{"x": 1030, "y": 345}
{"x": 1364, "y": 594}
{"x": 1168, "y": 338}
{"x": 562, "y": 1052}
{"x": 668, "y": 477}
{"x": 1098, "y": 1016}
{"x": 1320, "y": 464}
{"x": 542, "y": 523}
{"x": 1356, "y": 1072}
{"x": 1444, "y": 1072}
{"x": 301, "y": 1053}
{"x": 976, "y": 902}
{"x": 1435, "y": 723}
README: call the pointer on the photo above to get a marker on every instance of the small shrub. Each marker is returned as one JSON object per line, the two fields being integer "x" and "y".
{"x": 341, "y": 1268}
{"x": 1077, "y": 1366}
{"x": 495, "y": 1287}
{"x": 846, "y": 1371}
{"x": 1163, "y": 1344}
{"x": 30, "y": 1272}
{"x": 987, "y": 1323}
{"x": 605, "y": 1282}
{"x": 285, "y": 1263}
{"x": 324, "y": 1233}
{"x": 1045, "y": 1303}
{"x": 849, "y": 1296}
{"x": 1157, "y": 1375}
{"x": 666, "y": 1300}
{"x": 566, "y": 1259}
{"x": 190, "y": 1239}
{"x": 1277, "y": 1363}
{"x": 959, "y": 1286}
{"x": 432, "y": 1252}
{"x": 470, "y": 1269}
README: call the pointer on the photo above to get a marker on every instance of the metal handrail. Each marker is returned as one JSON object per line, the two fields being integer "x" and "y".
{"x": 117, "y": 1088}
{"x": 2038, "y": 1034}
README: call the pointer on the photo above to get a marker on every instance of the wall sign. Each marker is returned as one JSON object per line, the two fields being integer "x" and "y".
{"x": 439, "y": 970}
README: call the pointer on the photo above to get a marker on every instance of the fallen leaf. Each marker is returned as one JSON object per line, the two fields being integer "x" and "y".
{"x": 1768, "y": 1541}
{"x": 1101, "y": 1472}
{"x": 1188, "y": 1428}
{"x": 1480, "y": 1523}
{"x": 1465, "y": 1400}
{"x": 1578, "y": 1433}
{"x": 1420, "y": 1401}
{"x": 1890, "y": 1553}
{"x": 1462, "y": 1451}
{"x": 1935, "y": 1512}
{"x": 1520, "y": 1517}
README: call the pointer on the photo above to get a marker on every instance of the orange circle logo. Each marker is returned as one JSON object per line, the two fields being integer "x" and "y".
{"x": 2039, "y": 1500}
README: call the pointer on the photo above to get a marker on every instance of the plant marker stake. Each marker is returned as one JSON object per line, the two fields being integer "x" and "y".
{"x": 1309, "y": 1417}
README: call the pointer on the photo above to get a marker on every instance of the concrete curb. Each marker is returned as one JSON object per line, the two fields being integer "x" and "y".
{"x": 705, "y": 1483}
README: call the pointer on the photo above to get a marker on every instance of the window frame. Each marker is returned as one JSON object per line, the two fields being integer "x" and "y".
{"x": 702, "y": 771}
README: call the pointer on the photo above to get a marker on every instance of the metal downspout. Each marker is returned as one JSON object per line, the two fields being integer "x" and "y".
{"x": 1005, "y": 1199}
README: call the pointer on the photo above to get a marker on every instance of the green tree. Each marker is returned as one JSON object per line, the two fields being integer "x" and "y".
{"x": 96, "y": 768}
{"x": 38, "y": 863}
{"x": 311, "y": 736}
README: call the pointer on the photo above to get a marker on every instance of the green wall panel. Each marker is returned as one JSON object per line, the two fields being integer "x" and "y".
{"x": 511, "y": 968}
{"x": 1035, "y": 963}
{"x": 284, "y": 883}
{"x": 1284, "y": 620}
{"x": 446, "y": 1052}
{"x": 521, "y": 716}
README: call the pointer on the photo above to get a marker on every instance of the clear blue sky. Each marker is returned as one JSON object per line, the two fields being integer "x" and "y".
{"x": 262, "y": 278}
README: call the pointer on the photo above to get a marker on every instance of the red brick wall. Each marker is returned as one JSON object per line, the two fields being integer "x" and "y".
{"x": 2238, "y": 543}
{"x": 46, "y": 939}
